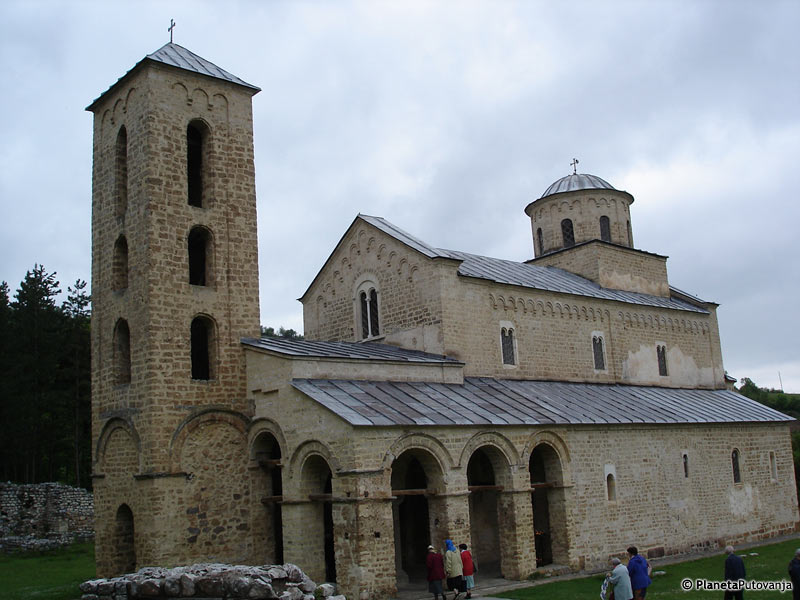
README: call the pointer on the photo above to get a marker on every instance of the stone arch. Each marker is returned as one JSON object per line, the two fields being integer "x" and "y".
{"x": 266, "y": 450}
{"x": 202, "y": 417}
{"x": 123, "y": 541}
{"x": 559, "y": 446}
{"x": 489, "y": 438}
{"x": 315, "y": 483}
{"x": 306, "y": 449}
{"x": 110, "y": 427}
{"x": 203, "y": 341}
{"x": 420, "y": 441}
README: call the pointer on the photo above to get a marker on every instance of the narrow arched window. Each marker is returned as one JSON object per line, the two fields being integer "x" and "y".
{"x": 540, "y": 239}
{"x": 122, "y": 352}
{"x": 200, "y": 256}
{"x": 737, "y": 477}
{"x": 661, "y": 353}
{"x": 120, "y": 264}
{"x": 611, "y": 487}
{"x": 599, "y": 353}
{"x": 121, "y": 173}
{"x": 568, "y": 233}
{"x": 630, "y": 235}
{"x": 369, "y": 312}
{"x": 507, "y": 345}
{"x": 685, "y": 465}
{"x": 196, "y": 140}
{"x": 202, "y": 348}
{"x": 605, "y": 229}
{"x": 773, "y": 467}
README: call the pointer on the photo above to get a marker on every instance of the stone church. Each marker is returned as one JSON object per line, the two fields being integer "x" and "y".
{"x": 548, "y": 412}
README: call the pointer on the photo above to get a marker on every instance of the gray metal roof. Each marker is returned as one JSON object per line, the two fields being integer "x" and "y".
{"x": 178, "y": 56}
{"x": 577, "y": 181}
{"x": 488, "y": 401}
{"x": 526, "y": 275}
{"x": 345, "y": 350}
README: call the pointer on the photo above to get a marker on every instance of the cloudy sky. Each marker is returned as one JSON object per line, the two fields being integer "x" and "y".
{"x": 447, "y": 118}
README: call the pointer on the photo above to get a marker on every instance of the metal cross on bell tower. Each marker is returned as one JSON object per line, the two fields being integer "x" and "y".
{"x": 171, "y": 27}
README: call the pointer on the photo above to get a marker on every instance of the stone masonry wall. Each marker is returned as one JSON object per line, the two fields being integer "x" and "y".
{"x": 44, "y": 515}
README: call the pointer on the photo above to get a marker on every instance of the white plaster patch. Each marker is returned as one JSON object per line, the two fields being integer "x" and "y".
{"x": 741, "y": 500}
{"x": 634, "y": 283}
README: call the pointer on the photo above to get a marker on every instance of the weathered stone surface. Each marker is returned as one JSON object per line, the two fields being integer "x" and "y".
{"x": 90, "y": 587}
{"x": 188, "y": 584}
{"x": 172, "y": 586}
{"x": 106, "y": 588}
{"x": 293, "y": 573}
{"x": 210, "y": 585}
{"x": 326, "y": 590}
{"x": 307, "y": 585}
{"x": 277, "y": 572}
{"x": 260, "y": 590}
{"x": 292, "y": 593}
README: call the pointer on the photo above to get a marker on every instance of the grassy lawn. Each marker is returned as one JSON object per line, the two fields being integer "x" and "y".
{"x": 51, "y": 575}
{"x": 770, "y": 564}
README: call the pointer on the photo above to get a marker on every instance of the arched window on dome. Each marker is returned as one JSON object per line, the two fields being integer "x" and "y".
{"x": 540, "y": 239}
{"x": 568, "y": 233}
{"x": 605, "y": 229}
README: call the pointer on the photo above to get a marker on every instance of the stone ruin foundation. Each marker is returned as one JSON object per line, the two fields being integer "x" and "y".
{"x": 210, "y": 581}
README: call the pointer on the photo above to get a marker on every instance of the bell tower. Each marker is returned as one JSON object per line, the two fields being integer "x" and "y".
{"x": 174, "y": 289}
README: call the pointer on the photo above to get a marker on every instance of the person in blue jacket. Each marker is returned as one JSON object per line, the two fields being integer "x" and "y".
{"x": 638, "y": 569}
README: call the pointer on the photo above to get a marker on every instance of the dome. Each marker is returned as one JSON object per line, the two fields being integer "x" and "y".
{"x": 577, "y": 181}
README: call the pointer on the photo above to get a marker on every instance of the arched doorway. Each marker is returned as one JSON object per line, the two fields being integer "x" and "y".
{"x": 317, "y": 486}
{"x": 124, "y": 541}
{"x": 549, "y": 511}
{"x": 267, "y": 453}
{"x": 415, "y": 477}
{"x": 482, "y": 479}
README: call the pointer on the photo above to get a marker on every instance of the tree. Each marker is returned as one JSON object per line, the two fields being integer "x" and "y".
{"x": 289, "y": 334}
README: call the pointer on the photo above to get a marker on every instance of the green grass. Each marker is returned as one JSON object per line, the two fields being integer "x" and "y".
{"x": 53, "y": 575}
{"x": 770, "y": 565}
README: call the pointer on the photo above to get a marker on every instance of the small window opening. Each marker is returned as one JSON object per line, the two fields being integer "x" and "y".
{"x": 540, "y": 239}
{"x": 567, "y": 233}
{"x": 661, "y": 352}
{"x": 370, "y": 325}
{"x": 121, "y": 172}
{"x": 605, "y": 229}
{"x": 685, "y": 465}
{"x": 195, "y": 159}
{"x": 599, "y": 353}
{"x": 611, "y": 487}
{"x": 630, "y": 235}
{"x": 737, "y": 477}
{"x": 773, "y": 467}
{"x": 200, "y": 255}
{"x": 122, "y": 352}
{"x": 120, "y": 264}
{"x": 507, "y": 344}
{"x": 202, "y": 344}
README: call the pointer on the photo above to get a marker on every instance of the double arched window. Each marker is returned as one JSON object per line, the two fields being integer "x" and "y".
{"x": 507, "y": 345}
{"x": 368, "y": 311}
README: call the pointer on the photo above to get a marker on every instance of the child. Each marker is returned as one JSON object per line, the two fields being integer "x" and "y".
{"x": 469, "y": 568}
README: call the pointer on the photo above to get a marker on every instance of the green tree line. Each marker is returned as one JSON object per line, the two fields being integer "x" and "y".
{"x": 45, "y": 379}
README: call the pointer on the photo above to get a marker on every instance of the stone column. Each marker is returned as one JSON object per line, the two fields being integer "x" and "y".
{"x": 303, "y": 537}
{"x": 449, "y": 514}
{"x": 517, "y": 546}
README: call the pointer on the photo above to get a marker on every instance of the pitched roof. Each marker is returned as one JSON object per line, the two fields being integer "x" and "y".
{"x": 345, "y": 350}
{"x": 181, "y": 58}
{"x": 496, "y": 402}
{"x": 546, "y": 278}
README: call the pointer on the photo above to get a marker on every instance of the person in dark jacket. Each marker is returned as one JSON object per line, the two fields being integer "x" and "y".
{"x": 734, "y": 571}
{"x": 638, "y": 570}
{"x": 435, "y": 564}
{"x": 794, "y": 574}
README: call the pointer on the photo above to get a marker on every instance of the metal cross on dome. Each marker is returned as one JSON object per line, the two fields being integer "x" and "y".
{"x": 574, "y": 164}
{"x": 171, "y": 27}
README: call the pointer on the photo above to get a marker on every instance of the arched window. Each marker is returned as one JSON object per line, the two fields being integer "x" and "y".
{"x": 122, "y": 352}
{"x": 540, "y": 239}
{"x": 507, "y": 345}
{"x": 369, "y": 318}
{"x": 201, "y": 256}
{"x": 202, "y": 348}
{"x": 121, "y": 173}
{"x": 661, "y": 352}
{"x": 567, "y": 233}
{"x": 196, "y": 158}
{"x": 737, "y": 477}
{"x": 120, "y": 264}
{"x": 605, "y": 229}
{"x": 599, "y": 353}
{"x": 611, "y": 487}
{"x": 685, "y": 465}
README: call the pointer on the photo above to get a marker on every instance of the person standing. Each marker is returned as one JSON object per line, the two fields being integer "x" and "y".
{"x": 621, "y": 581}
{"x": 454, "y": 569}
{"x": 638, "y": 571}
{"x": 794, "y": 574}
{"x": 435, "y": 564}
{"x": 734, "y": 571}
{"x": 469, "y": 569}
